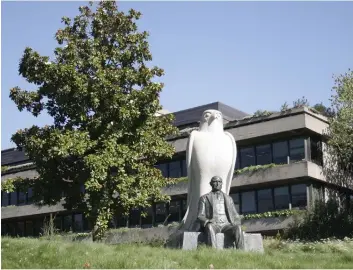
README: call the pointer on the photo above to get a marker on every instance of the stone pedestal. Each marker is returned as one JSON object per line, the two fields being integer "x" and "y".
{"x": 191, "y": 240}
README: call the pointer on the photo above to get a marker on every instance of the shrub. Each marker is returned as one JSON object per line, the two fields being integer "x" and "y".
{"x": 324, "y": 220}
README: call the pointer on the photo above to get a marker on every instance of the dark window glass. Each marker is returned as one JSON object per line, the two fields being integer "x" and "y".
{"x": 134, "y": 217}
{"x": 175, "y": 169}
{"x": 122, "y": 221}
{"x": 160, "y": 212}
{"x": 67, "y": 223}
{"x": 30, "y": 195}
{"x": 3, "y": 229}
{"x": 183, "y": 168}
{"x": 37, "y": 227}
{"x": 264, "y": 200}
{"x": 248, "y": 204}
{"x": 11, "y": 229}
{"x": 263, "y": 154}
{"x": 87, "y": 226}
{"x": 13, "y": 198}
{"x": 184, "y": 207}
{"x": 280, "y": 152}
{"x": 316, "y": 151}
{"x": 174, "y": 207}
{"x": 247, "y": 157}
{"x": 298, "y": 196}
{"x": 78, "y": 223}
{"x": 82, "y": 188}
{"x": 21, "y": 198}
{"x": 164, "y": 169}
{"x": 58, "y": 223}
{"x": 281, "y": 198}
{"x": 20, "y": 229}
{"x": 236, "y": 200}
{"x": 296, "y": 149}
{"x": 29, "y": 228}
{"x": 4, "y": 198}
{"x": 237, "y": 162}
{"x": 147, "y": 220}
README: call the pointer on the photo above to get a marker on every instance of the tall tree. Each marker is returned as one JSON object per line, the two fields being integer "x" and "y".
{"x": 339, "y": 163}
{"x": 103, "y": 98}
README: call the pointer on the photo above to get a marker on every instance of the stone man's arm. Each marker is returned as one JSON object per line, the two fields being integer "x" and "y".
{"x": 201, "y": 214}
{"x": 236, "y": 217}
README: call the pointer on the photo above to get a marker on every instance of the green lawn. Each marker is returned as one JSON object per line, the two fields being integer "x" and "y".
{"x": 41, "y": 253}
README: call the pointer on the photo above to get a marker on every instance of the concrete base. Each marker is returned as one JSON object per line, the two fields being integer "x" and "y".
{"x": 191, "y": 240}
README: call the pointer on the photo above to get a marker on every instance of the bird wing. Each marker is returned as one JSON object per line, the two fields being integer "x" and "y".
{"x": 189, "y": 147}
{"x": 231, "y": 172}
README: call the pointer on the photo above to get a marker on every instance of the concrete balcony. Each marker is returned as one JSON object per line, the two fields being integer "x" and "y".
{"x": 279, "y": 174}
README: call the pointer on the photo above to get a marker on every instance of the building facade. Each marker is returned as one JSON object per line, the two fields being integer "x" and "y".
{"x": 279, "y": 166}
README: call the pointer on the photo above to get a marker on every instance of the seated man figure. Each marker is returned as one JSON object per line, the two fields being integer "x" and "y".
{"x": 217, "y": 214}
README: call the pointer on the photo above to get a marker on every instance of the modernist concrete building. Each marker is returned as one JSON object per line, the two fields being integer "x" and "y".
{"x": 291, "y": 140}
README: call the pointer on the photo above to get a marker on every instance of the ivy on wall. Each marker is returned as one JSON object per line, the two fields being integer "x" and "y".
{"x": 278, "y": 213}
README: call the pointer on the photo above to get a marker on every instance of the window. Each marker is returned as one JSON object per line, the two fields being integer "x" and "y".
{"x": 160, "y": 212}
{"x": 297, "y": 149}
{"x": 4, "y": 198}
{"x": 281, "y": 198}
{"x": 29, "y": 196}
{"x": 183, "y": 168}
{"x": 174, "y": 208}
{"x": 299, "y": 196}
{"x": 175, "y": 169}
{"x": 164, "y": 169}
{"x": 248, "y": 204}
{"x": 58, "y": 223}
{"x": 263, "y": 154}
{"x": 29, "y": 228}
{"x": 316, "y": 151}
{"x": 280, "y": 152}
{"x": 37, "y": 227}
{"x": 184, "y": 207}
{"x": 236, "y": 200}
{"x": 3, "y": 229}
{"x": 20, "y": 230}
{"x": 147, "y": 220}
{"x": 21, "y": 198}
{"x": 78, "y": 222}
{"x": 247, "y": 157}
{"x": 134, "y": 217}
{"x": 13, "y": 198}
{"x": 67, "y": 223}
{"x": 264, "y": 200}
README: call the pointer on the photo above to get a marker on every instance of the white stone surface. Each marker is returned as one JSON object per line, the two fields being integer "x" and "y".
{"x": 253, "y": 242}
{"x": 210, "y": 152}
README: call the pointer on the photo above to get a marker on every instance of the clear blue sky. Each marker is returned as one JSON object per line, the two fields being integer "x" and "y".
{"x": 249, "y": 55}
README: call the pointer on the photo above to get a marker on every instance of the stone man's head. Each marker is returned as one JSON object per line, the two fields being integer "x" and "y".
{"x": 216, "y": 183}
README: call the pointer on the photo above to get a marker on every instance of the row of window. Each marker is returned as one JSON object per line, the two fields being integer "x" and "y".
{"x": 246, "y": 202}
{"x": 276, "y": 152}
{"x": 279, "y": 152}
{"x": 270, "y": 199}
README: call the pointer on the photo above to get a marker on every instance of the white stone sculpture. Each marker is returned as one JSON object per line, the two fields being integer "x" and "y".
{"x": 210, "y": 152}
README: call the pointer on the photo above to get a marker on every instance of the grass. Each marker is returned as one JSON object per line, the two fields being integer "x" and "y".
{"x": 28, "y": 253}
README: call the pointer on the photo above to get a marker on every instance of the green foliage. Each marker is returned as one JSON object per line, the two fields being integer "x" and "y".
{"x": 322, "y": 109}
{"x": 261, "y": 113}
{"x": 255, "y": 168}
{"x": 278, "y": 213}
{"x": 301, "y": 102}
{"x": 338, "y": 166}
{"x": 284, "y": 107}
{"x": 4, "y": 169}
{"x": 103, "y": 98}
{"x": 324, "y": 220}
